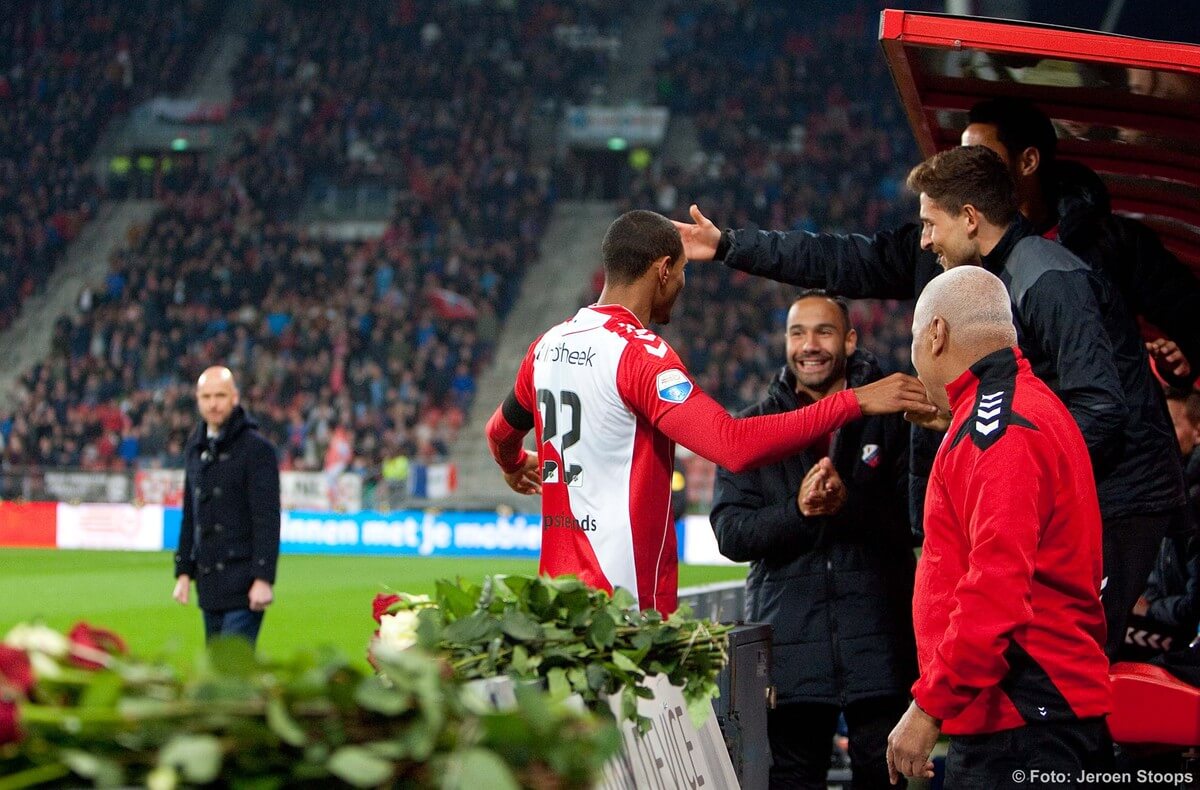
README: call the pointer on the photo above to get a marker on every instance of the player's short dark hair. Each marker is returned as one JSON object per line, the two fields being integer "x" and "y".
{"x": 970, "y": 175}
{"x": 635, "y": 240}
{"x": 821, "y": 293}
{"x": 1019, "y": 125}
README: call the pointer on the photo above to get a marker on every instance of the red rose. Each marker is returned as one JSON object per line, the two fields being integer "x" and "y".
{"x": 9, "y": 732}
{"x": 381, "y": 604}
{"x": 15, "y": 670}
{"x": 16, "y": 679}
{"x": 85, "y": 638}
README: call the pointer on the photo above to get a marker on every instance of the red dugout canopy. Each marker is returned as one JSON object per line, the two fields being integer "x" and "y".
{"x": 1129, "y": 108}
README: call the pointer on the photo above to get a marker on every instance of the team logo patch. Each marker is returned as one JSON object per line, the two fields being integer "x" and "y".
{"x": 870, "y": 455}
{"x": 673, "y": 386}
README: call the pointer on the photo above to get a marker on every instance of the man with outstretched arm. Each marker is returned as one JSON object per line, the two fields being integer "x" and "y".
{"x": 609, "y": 399}
{"x": 1075, "y": 328}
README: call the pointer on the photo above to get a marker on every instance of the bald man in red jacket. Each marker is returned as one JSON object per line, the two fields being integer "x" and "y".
{"x": 1007, "y": 613}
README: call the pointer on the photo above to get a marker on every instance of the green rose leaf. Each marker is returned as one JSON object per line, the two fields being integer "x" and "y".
{"x": 520, "y": 626}
{"x": 472, "y": 769}
{"x": 623, "y": 598}
{"x": 373, "y": 695}
{"x": 197, "y": 757}
{"x": 603, "y": 631}
{"x": 475, "y": 628}
{"x": 597, "y": 677}
{"x": 455, "y": 601}
{"x": 624, "y": 663}
{"x": 520, "y": 660}
{"x": 102, "y": 772}
{"x": 283, "y": 725}
{"x": 557, "y": 683}
{"x": 356, "y": 765}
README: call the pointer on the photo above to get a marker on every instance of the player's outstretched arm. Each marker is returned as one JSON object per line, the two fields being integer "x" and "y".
{"x": 704, "y": 427}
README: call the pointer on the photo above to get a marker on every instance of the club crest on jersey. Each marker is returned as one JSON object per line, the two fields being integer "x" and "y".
{"x": 870, "y": 455}
{"x": 673, "y": 386}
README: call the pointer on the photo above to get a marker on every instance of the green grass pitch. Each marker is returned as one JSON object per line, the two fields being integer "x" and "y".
{"x": 318, "y": 599}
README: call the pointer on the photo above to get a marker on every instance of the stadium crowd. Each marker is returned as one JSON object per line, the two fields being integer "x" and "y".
{"x": 351, "y": 353}
{"x": 809, "y": 146}
{"x": 67, "y": 66}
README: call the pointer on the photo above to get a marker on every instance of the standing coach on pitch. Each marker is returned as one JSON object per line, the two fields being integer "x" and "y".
{"x": 229, "y": 538}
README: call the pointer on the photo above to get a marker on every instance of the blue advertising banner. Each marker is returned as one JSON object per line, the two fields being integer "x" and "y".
{"x": 407, "y": 533}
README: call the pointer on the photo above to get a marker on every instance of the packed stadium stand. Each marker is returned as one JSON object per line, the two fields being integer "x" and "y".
{"x": 367, "y": 349}
{"x": 815, "y": 143}
{"x": 65, "y": 68}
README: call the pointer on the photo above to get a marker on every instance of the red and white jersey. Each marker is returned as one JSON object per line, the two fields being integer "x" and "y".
{"x": 598, "y": 385}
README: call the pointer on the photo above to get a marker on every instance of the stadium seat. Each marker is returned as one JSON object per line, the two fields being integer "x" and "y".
{"x": 1152, "y": 706}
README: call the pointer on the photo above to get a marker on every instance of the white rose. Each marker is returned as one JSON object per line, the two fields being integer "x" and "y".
{"x": 44, "y": 666}
{"x": 38, "y": 639}
{"x": 398, "y": 631}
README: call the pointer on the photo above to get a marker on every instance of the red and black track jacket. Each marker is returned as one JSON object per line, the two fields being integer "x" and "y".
{"x": 1007, "y": 607}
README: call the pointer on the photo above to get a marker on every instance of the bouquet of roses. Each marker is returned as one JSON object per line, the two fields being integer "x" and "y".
{"x": 76, "y": 709}
{"x": 560, "y": 632}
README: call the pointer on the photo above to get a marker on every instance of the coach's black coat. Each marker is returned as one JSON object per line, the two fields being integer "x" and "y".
{"x": 230, "y": 531}
{"x": 837, "y": 589}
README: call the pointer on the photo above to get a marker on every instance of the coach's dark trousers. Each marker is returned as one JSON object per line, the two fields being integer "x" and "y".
{"x": 1047, "y": 754}
{"x": 242, "y": 623}
{"x": 801, "y": 737}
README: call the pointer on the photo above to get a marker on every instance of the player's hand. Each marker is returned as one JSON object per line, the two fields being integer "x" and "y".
{"x": 822, "y": 492}
{"x": 183, "y": 586}
{"x": 699, "y": 240}
{"x": 938, "y": 421}
{"x": 898, "y": 392}
{"x": 911, "y": 743}
{"x": 261, "y": 595}
{"x": 1168, "y": 357}
{"x": 528, "y": 479}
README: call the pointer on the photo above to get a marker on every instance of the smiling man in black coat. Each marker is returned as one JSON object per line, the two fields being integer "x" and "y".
{"x": 229, "y": 538}
{"x": 826, "y": 532}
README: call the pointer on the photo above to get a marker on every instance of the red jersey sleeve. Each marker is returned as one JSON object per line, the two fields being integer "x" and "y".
{"x": 653, "y": 381}
{"x": 514, "y": 418}
{"x": 1005, "y": 499}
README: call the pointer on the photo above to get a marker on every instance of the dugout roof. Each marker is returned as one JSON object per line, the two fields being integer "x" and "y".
{"x": 1127, "y": 107}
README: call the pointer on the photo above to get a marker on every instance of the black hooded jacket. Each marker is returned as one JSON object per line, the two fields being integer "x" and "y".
{"x": 229, "y": 535}
{"x": 837, "y": 589}
{"x": 1137, "y": 467}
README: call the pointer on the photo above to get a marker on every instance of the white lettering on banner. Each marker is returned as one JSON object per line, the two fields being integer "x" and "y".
{"x": 318, "y": 531}
{"x": 405, "y": 533}
{"x": 435, "y": 535}
{"x": 109, "y": 526}
{"x": 519, "y": 533}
